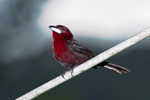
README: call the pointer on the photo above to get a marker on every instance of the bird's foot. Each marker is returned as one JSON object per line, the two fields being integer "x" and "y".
{"x": 71, "y": 71}
{"x": 63, "y": 74}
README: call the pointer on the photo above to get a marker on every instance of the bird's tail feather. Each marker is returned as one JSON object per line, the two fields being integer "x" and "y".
{"x": 115, "y": 68}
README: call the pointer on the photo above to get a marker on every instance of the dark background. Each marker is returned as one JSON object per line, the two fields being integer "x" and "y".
{"x": 26, "y": 61}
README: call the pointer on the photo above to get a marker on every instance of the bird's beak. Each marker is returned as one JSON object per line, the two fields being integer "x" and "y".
{"x": 55, "y": 29}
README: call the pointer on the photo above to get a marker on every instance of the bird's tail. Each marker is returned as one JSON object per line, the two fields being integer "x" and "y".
{"x": 115, "y": 68}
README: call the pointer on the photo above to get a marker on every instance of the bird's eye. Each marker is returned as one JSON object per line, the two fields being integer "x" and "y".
{"x": 62, "y": 29}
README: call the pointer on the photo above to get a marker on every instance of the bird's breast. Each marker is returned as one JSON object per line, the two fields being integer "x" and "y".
{"x": 66, "y": 57}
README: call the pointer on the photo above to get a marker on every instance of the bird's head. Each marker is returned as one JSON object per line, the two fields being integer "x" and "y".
{"x": 61, "y": 32}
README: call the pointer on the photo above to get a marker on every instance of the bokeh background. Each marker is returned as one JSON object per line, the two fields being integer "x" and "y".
{"x": 26, "y": 59}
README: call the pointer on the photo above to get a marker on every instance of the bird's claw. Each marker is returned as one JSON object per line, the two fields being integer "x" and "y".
{"x": 63, "y": 74}
{"x": 72, "y": 71}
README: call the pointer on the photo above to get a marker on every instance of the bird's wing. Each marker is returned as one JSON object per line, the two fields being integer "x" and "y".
{"x": 75, "y": 46}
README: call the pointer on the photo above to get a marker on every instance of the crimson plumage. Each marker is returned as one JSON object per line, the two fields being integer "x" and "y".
{"x": 70, "y": 53}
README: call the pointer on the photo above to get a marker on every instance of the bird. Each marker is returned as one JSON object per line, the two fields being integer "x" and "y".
{"x": 70, "y": 53}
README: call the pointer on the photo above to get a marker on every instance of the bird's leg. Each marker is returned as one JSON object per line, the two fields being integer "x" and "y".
{"x": 63, "y": 74}
{"x": 71, "y": 70}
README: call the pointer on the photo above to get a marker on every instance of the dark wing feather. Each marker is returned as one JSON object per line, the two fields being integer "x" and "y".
{"x": 75, "y": 46}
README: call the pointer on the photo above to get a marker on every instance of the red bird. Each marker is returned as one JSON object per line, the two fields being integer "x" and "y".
{"x": 70, "y": 53}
